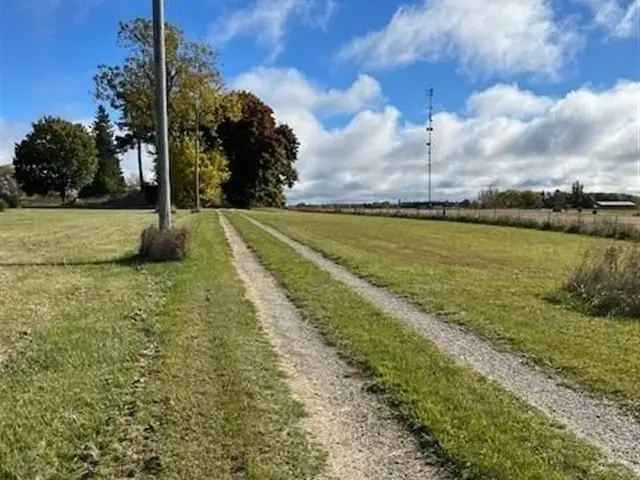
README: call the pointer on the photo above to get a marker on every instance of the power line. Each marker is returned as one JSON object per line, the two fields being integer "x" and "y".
{"x": 430, "y": 141}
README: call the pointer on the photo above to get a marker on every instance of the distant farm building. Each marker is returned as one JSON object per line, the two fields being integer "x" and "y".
{"x": 615, "y": 205}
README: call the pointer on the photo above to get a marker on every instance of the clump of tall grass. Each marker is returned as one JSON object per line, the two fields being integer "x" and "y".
{"x": 164, "y": 245}
{"x": 608, "y": 283}
{"x": 3, "y": 205}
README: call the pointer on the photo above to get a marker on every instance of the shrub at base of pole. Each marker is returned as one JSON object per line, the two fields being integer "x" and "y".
{"x": 164, "y": 245}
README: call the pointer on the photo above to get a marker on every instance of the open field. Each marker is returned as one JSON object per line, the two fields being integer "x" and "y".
{"x": 495, "y": 281}
{"x": 111, "y": 369}
{"x": 628, "y": 217}
{"x": 623, "y": 219}
{"x": 471, "y": 422}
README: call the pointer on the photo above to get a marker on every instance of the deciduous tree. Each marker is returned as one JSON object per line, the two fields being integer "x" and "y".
{"x": 261, "y": 155}
{"x": 56, "y": 156}
{"x": 9, "y": 191}
{"x": 578, "y": 198}
{"x": 192, "y": 76}
{"x": 213, "y": 173}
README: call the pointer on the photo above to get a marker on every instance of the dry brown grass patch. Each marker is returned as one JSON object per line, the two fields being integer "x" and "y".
{"x": 608, "y": 283}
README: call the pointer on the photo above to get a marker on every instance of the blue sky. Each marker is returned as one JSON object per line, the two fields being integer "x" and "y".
{"x": 528, "y": 92}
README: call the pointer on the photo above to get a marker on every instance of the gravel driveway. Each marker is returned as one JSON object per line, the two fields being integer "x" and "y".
{"x": 598, "y": 421}
{"x": 359, "y": 432}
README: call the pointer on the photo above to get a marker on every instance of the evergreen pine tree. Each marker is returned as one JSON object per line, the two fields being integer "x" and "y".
{"x": 109, "y": 179}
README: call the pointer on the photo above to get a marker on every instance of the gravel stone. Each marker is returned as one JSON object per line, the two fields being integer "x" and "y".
{"x": 599, "y": 421}
{"x": 363, "y": 438}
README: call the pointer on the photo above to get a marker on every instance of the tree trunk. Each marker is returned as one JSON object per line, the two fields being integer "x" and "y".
{"x": 140, "y": 171}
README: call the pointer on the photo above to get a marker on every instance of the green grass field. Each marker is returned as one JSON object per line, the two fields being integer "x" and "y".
{"x": 112, "y": 369}
{"x": 494, "y": 280}
{"x": 485, "y": 432}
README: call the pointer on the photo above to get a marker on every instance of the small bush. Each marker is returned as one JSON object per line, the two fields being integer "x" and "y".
{"x": 608, "y": 283}
{"x": 3, "y": 205}
{"x": 11, "y": 200}
{"x": 164, "y": 245}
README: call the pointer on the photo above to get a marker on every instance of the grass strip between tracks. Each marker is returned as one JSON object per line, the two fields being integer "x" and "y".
{"x": 484, "y": 431}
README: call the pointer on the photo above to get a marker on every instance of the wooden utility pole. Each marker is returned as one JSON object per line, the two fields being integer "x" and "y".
{"x": 197, "y": 133}
{"x": 162, "y": 135}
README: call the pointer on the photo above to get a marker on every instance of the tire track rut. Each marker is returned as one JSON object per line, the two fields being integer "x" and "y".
{"x": 598, "y": 421}
{"x": 360, "y": 433}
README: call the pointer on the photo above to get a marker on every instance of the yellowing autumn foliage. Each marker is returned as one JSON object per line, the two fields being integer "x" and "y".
{"x": 213, "y": 172}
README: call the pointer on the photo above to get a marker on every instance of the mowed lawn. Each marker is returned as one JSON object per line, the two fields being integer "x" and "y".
{"x": 110, "y": 368}
{"x": 68, "y": 334}
{"x": 64, "y": 264}
{"x": 494, "y": 280}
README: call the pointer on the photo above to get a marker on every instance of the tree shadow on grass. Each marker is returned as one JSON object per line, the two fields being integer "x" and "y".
{"x": 132, "y": 260}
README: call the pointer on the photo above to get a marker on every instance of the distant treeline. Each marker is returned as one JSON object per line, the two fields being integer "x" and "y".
{"x": 558, "y": 199}
{"x": 503, "y": 199}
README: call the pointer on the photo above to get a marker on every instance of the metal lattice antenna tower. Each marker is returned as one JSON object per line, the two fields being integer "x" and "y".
{"x": 430, "y": 141}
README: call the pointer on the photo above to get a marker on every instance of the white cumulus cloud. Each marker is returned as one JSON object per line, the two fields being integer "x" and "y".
{"x": 509, "y": 101}
{"x": 288, "y": 85}
{"x": 620, "y": 18}
{"x": 129, "y": 164}
{"x": 267, "y": 20}
{"x": 543, "y": 143}
{"x": 496, "y": 37}
{"x": 10, "y": 134}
